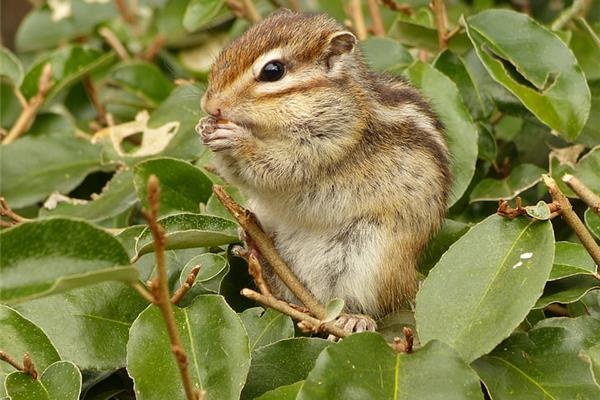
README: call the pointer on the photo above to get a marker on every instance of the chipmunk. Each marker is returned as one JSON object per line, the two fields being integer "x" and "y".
{"x": 346, "y": 168}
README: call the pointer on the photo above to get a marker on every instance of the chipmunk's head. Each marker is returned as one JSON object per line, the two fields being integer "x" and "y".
{"x": 290, "y": 76}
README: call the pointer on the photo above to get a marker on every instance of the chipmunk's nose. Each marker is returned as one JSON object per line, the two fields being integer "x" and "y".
{"x": 212, "y": 106}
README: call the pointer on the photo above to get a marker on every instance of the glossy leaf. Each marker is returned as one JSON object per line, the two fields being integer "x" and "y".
{"x": 144, "y": 80}
{"x": 282, "y": 363}
{"x": 287, "y": 392}
{"x": 189, "y": 230}
{"x": 484, "y": 295}
{"x": 182, "y": 186}
{"x": 588, "y": 169}
{"x": 200, "y": 13}
{"x": 544, "y": 363}
{"x": 363, "y": 366}
{"x": 60, "y": 381}
{"x": 520, "y": 179}
{"x": 541, "y": 211}
{"x": 214, "y": 339}
{"x": 33, "y": 167}
{"x": 97, "y": 318}
{"x": 544, "y": 74}
{"x": 213, "y": 269}
{"x": 460, "y": 129}
{"x": 19, "y": 336}
{"x": 333, "y": 309}
{"x": 592, "y": 220}
{"x": 383, "y": 54}
{"x": 571, "y": 259}
{"x": 567, "y": 290}
{"x": 50, "y": 256}
{"x": 116, "y": 197}
{"x": 11, "y": 69}
{"x": 214, "y": 206}
{"x": 450, "y": 232}
{"x": 265, "y": 327}
{"x": 590, "y": 135}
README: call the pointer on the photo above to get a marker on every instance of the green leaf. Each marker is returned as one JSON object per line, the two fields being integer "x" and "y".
{"x": 460, "y": 130}
{"x": 69, "y": 65}
{"x": 588, "y": 169}
{"x": 60, "y": 381}
{"x": 392, "y": 325}
{"x": 485, "y": 284}
{"x": 567, "y": 290}
{"x": 590, "y": 136}
{"x": 187, "y": 230}
{"x": 362, "y": 366}
{"x": 33, "y": 167}
{"x": 201, "y": 12}
{"x": 183, "y": 105}
{"x": 587, "y": 52}
{"x": 213, "y": 269}
{"x": 416, "y": 34}
{"x": 387, "y": 55}
{"x": 182, "y": 186}
{"x": 544, "y": 74}
{"x": 116, "y": 197}
{"x": 541, "y": 211}
{"x": 288, "y": 392}
{"x": 592, "y": 220}
{"x": 50, "y": 256}
{"x": 333, "y": 308}
{"x": 214, "y": 340}
{"x": 487, "y": 148}
{"x": 144, "y": 80}
{"x": 11, "y": 69}
{"x": 450, "y": 232}
{"x": 544, "y": 363}
{"x": 571, "y": 259}
{"x": 282, "y": 363}
{"x": 19, "y": 336}
{"x": 89, "y": 326}
{"x": 521, "y": 178}
{"x": 214, "y": 206}
{"x": 265, "y": 327}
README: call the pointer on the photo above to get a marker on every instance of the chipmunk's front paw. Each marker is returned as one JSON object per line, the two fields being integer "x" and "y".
{"x": 220, "y": 135}
{"x": 355, "y": 323}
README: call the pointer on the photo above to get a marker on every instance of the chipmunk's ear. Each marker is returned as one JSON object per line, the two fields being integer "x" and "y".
{"x": 340, "y": 43}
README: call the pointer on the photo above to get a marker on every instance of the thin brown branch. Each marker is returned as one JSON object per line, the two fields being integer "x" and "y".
{"x": 11, "y": 361}
{"x": 571, "y": 218}
{"x": 591, "y": 199}
{"x": 27, "y": 367}
{"x": 265, "y": 245}
{"x": 127, "y": 15}
{"x": 143, "y": 291}
{"x": 404, "y": 345}
{"x": 255, "y": 270}
{"x": 505, "y": 210}
{"x": 441, "y": 22}
{"x": 152, "y": 50}
{"x": 358, "y": 19}
{"x": 92, "y": 93}
{"x": 160, "y": 288}
{"x": 114, "y": 42}
{"x": 31, "y": 108}
{"x": 185, "y": 286}
{"x": 307, "y": 321}
{"x": 244, "y": 9}
{"x": 403, "y": 8}
{"x": 7, "y": 212}
{"x": 20, "y": 97}
{"x": 377, "y": 21}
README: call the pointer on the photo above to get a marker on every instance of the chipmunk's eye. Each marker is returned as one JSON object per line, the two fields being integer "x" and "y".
{"x": 272, "y": 71}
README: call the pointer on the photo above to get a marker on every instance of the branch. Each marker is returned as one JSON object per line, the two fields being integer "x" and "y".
{"x": 90, "y": 89}
{"x": 114, "y": 42}
{"x": 265, "y": 245}
{"x": 160, "y": 288}
{"x": 573, "y": 220}
{"x": 185, "y": 287}
{"x": 378, "y": 28}
{"x": 306, "y": 321}
{"x": 441, "y": 22}
{"x": 255, "y": 270}
{"x": 6, "y": 211}
{"x": 128, "y": 16}
{"x": 505, "y": 210}
{"x": 358, "y": 19}
{"x": 30, "y": 110}
{"x": 244, "y": 9}
{"x": 404, "y": 345}
{"x": 152, "y": 50}
{"x": 405, "y": 9}
{"x": 28, "y": 367}
{"x": 591, "y": 199}
{"x": 577, "y": 8}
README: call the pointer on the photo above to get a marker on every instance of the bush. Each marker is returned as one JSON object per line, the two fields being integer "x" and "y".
{"x": 101, "y": 96}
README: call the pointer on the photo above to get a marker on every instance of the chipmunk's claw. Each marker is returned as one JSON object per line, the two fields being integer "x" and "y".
{"x": 220, "y": 136}
{"x": 354, "y": 323}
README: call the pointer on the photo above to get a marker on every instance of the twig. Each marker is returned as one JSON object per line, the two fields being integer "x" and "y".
{"x": 358, "y": 19}
{"x": 244, "y": 9}
{"x": 591, "y": 199}
{"x": 404, "y": 345}
{"x": 255, "y": 270}
{"x": 93, "y": 95}
{"x": 573, "y": 220}
{"x": 143, "y": 291}
{"x": 378, "y": 28}
{"x": 30, "y": 109}
{"x": 160, "y": 288}
{"x": 295, "y": 5}
{"x": 19, "y": 95}
{"x": 312, "y": 323}
{"x": 6, "y": 211}
{"x": 589, "y": 30}
{"x": 265, "y": 245}
{"x": 403, "y": 8}
{"x": 576, "y": 9}
{"x": 152, "y": 50}
{"x": 505, "y": 210}
{"x": 185, "y": 286}
{"x": 28, "y": 367}
{"x": 129, "y": 17}
{"x": 441, "y": 22}
{"x": 114, "y": 42}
